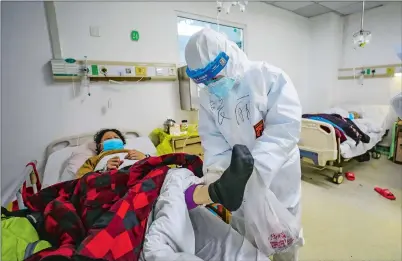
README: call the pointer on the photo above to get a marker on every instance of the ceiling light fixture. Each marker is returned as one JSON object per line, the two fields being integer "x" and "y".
{"x": 361, "y": 37}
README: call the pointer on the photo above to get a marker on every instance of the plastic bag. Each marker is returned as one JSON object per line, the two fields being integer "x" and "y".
{"x": 265, "y": 222}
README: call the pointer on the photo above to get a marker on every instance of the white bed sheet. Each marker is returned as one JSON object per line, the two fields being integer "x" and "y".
{"x": 376, "y": 119}
{"x": 57, "y": 161}
{"x": 374, "y": 123}
{"x": 350, "y": 150}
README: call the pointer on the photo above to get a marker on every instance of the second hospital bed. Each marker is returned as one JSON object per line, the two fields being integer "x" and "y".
{"x": 320, "y": 147}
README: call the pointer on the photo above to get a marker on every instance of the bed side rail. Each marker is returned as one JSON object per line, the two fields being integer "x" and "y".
{"x": 318, "y": 142}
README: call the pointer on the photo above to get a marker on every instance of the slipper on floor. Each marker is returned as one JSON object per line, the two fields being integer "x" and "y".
{"x": 350, "y": 176}
{"x": 385, "y": 193}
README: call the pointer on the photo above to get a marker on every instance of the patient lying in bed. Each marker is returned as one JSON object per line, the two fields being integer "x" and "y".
{"x": 110, "y": 153}
{"x": 141, "y": 215}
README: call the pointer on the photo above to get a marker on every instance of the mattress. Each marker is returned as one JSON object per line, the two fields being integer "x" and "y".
{"x": 376, "y": 119}
{"x": 350, "y": 150}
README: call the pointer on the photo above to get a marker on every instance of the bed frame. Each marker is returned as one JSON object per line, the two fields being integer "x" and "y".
{"x": 320, "y": 148}
{"x": 71, "y": 141}
{"x": 325, "y": 156}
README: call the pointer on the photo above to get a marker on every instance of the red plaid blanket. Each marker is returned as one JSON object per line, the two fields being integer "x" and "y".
{"x": 103, "y": 215}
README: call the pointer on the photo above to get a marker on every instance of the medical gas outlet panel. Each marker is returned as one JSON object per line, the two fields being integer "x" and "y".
{"x": 70, "y": 69}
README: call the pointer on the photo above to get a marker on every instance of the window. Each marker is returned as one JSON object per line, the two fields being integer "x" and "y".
{"x": 186, "y": 27}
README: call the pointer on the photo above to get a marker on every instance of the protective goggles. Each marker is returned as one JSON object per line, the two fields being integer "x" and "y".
{"x": 207, "y": 74}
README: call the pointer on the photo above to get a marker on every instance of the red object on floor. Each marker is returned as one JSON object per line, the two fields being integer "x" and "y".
{"x": 385, "y": 193}
{"x": 350, "y": 176}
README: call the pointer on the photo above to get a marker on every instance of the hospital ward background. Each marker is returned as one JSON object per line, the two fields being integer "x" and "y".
{"x": 71, "y": 69}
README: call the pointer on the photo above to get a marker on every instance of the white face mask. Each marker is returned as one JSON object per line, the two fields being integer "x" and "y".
{"x": 221, "y": 87}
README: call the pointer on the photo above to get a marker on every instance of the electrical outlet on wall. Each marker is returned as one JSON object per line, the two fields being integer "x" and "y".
{"x": 94, "y": 31}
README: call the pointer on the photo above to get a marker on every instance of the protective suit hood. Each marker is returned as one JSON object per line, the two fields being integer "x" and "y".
{"x": 396, "y": 103}
{"x": 205, "y": 45}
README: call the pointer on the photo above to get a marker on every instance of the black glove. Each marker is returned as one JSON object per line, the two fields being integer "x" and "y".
{"x": 229, "y": 189}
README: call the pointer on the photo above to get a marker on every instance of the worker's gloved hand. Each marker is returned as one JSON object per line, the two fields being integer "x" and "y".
{"x": 229, "y": 189}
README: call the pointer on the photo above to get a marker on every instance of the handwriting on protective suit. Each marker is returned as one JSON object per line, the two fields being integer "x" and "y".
{"x": 242, "y": 109}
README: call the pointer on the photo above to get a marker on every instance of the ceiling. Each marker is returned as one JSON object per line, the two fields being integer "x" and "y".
{"x": 311, "y": 9}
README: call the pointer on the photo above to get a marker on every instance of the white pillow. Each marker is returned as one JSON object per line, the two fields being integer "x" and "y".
{"x": 77, "y": 159}
{"x": 368, "y": 125}
{"x": 55, "y": 165}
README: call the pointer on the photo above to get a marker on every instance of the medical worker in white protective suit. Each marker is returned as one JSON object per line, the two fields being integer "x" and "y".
{"x": 396, "y": 102}
{"x": 256, "y": 105}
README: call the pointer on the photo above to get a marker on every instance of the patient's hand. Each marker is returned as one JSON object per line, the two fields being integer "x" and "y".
{"x": 113, "y": 163}
{"x": 135, "y": 155}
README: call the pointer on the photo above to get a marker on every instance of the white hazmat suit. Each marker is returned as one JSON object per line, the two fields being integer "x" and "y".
{"x": 396, "y": 102}
{"x": 263, "y": 112}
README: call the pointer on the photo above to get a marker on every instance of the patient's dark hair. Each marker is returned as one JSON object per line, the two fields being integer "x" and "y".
{"x": 98, "y": 137}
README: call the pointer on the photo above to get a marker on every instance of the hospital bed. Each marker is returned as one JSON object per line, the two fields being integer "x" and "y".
{"x": 320, "y": 148}
{"x": 58, "y": 163}
{"x": 59, "y": 153}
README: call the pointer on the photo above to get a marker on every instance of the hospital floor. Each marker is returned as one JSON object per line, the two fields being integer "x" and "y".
{"x": 351, "y": 221}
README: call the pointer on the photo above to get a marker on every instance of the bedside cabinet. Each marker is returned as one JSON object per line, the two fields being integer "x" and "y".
{"x": 190, "y": 145}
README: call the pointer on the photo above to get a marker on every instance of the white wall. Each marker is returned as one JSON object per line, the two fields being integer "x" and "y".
{"x": 385, "y": 24}
{"x": 0, "y": 92}
{"x": 36, "y": 111}
{"x": 271, "y": 33}
{"x": 326, "y": 48}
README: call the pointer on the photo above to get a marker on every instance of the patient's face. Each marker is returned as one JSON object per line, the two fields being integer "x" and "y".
{"x": 107, "y": 136}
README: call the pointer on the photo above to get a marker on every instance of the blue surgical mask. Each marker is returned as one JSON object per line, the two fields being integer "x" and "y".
{"x": 113, "y": 144}
{"x": 221, "y": 87}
